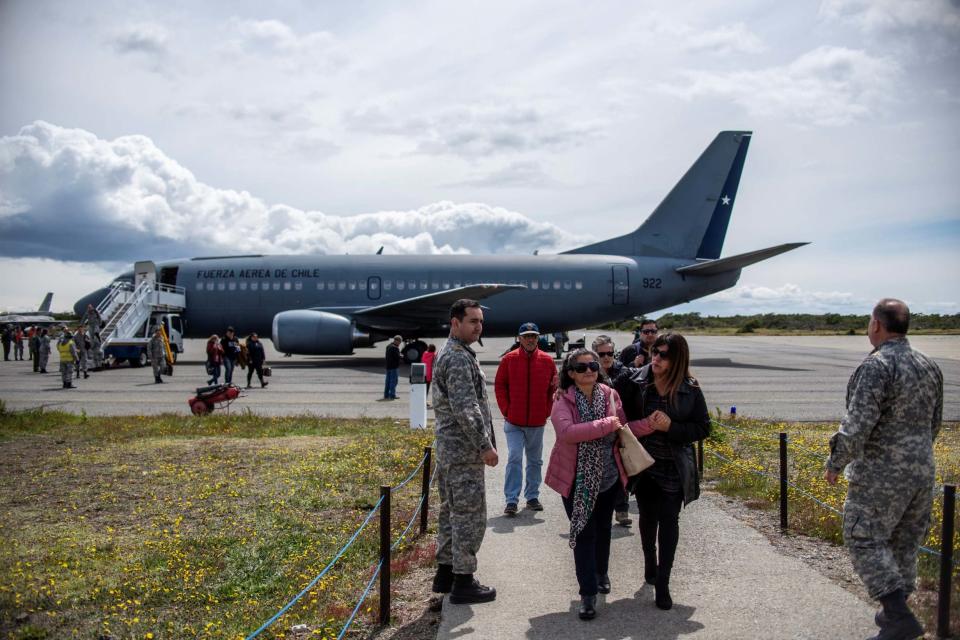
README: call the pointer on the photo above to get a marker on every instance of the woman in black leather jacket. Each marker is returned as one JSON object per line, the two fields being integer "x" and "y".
{"x": 666, "y": 393}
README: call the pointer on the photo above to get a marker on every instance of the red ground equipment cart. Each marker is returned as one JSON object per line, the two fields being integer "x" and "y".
{"x": 208, "y": 398}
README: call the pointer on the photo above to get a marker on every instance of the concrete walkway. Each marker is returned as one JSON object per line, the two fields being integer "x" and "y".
{"x": 729, "y": 582}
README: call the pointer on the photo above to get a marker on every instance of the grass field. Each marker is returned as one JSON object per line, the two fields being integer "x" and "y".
{"x": 742, "y": 458}
{"x": 184, "y": 527}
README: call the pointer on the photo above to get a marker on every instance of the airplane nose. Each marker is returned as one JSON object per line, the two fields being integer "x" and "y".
{"x": 80, "y": 306}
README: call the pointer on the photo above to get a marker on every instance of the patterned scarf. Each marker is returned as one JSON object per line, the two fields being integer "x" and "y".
{"x": 590, "y": 454}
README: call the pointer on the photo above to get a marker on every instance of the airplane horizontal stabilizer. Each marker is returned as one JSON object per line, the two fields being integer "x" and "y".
{"x": 732, "y": 263}
{"x": 432, "y": 305}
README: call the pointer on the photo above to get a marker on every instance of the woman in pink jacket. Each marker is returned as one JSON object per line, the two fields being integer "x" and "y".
{"x": 586, "y": 470}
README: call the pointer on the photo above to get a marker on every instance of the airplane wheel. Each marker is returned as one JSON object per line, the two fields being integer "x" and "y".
{"x": 200, "y": 408}
{"x": 413, "y": 351}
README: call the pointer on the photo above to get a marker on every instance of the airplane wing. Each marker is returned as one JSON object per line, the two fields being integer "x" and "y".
{"x": 722, "y": 265}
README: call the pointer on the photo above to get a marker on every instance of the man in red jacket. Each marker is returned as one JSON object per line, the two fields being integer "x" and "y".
{"x": 525, "y": 383}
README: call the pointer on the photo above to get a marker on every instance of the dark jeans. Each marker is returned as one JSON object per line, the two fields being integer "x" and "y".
{"x": 659, "y": 520}
{"x": 228, "y": 366}
{"x": 592, "y": 553}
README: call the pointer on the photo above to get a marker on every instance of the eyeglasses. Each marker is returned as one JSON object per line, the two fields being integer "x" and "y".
{"x": 605, "y": 354}
{"x": 648, "y": 332}
{"x": 581, "y": 367}
{"x": 663, "y": 353}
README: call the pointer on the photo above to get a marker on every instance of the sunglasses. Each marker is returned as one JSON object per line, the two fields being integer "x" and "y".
{"x": 648, "y": 332}
{"x": 663, "y": 353}
{"x": 581, "y": 367}
{"x": 605, "y": 353}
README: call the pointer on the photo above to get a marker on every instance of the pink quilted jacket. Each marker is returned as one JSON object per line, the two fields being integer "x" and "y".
{"x": 562, "y": 468}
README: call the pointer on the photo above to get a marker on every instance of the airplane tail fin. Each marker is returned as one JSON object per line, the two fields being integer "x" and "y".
{"x": 692, "y": 220}
{"x": 45, "y": 305}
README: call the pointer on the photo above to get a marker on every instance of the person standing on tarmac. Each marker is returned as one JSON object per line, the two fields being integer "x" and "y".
{"x": 885, "y": 442}
{"x": 525, "y": 383}
{"x": 18, "y": 343}
{"x": 393, "y": 369}
{"x": 96, "y": 351}
{"x": 256, "y": 357}
{"x": 67, "y": 349}
{"x": 80, "y": 341}
{"x": 43, "y": 349}
{"x": 465, "y": 443}
{"x": 231, "y": 349}
{"x": 157, "y": 351}
{"x": 6, "y": 335}
{"x": 35, "y": 347}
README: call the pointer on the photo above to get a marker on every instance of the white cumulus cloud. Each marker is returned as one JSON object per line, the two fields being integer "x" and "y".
{"x": 69, "y": 195}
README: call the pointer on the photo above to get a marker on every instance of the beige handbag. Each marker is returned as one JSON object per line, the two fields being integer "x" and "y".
{"x": 635, "y": 458}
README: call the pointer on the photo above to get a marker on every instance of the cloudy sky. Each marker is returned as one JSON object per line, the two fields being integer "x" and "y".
{"x": 133, "y": 130}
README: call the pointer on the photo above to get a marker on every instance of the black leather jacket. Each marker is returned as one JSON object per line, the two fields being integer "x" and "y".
{"x": 690, "y": 422}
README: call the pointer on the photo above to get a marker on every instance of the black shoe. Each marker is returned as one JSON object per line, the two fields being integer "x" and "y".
{"x": 662, "y": 591}
{"x": 249, "y": 386}
{"x": 650, "y": 567}
{"x": 158, "y": 380}
{"x": 896, "y": 621}
{"x": 603, "y": 583}
{"x": 588, "y": 607}
{"x": 443, "y": 579}
{"x": 534, "y": 505}
{"x": 263, "y": 385}
{"x": 87, "y": 375}
{"x": 43, "y": 370}
{"x": 511, "y": 509}
{"x": 467, "y": 590}
{"x": 623, "y": 518}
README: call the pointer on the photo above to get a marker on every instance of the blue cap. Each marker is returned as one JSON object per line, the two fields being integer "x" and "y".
{"x": 528, "y": 328}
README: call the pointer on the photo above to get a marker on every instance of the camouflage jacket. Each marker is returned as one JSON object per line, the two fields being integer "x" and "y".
{"x": 894, "y": 409}
{"x": 464, "y": 426}
{"x": 156, "y": 349}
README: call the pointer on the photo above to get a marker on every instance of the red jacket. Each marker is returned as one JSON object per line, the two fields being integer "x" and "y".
{"x": 525, "y": 385}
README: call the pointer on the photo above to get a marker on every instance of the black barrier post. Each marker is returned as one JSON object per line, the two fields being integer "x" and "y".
{"x": 425, "y": 490}
{"x": 783, "y": 480}
{"x": 700, "y": 456}
{"x": 385, "y": 555}
{"x": 946, "y": 561}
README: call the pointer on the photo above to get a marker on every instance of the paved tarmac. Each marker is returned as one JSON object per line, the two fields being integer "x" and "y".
{"x": 782, "y": 377}
{"x": 728, "y": 582}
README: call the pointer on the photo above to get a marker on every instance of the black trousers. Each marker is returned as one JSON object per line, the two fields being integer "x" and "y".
{"x": 659, "y": 520}
{"x": 254, "y": 367}
{"x": 591, "y": 556}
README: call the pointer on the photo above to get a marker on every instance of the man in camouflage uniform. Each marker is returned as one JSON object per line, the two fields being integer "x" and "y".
{"x": 894, "y": 408}
{"x": 80, "y": 341}
{"x": 465, "y": 442}
{"x": 157, "y": 351}
{"x": 96, "y": 351}
{"x": 67, "y": 349}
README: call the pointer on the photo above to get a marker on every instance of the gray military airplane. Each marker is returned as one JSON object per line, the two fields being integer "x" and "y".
{"x": 327, "y": 305}
{"x": 40, "y": 317}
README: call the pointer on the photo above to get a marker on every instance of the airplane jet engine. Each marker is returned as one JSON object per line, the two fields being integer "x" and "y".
{"x": 314, "y": 333}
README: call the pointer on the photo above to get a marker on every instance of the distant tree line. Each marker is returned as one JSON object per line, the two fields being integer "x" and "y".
{"x": 833, "y": 323}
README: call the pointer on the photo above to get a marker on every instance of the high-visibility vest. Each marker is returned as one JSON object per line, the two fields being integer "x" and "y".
{"x": 64, "y": 349}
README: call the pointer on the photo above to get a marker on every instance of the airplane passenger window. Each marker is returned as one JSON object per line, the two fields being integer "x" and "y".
{"x": 319, "y": 285}
{"x": 423, "y": 285}
{"x": 556, "y": 284}
{"x": 331, "y": 285}
{"x": 298, "y": 286}
{"x": 254, "y": 286}
{"x": 578, "y": 284}
{"x": 534, "y": 284}
{"x": 342, "y": 285}
{"x": 221, "y": 286}
{"x": 243, "y": 286}
{"x": 286, "y": 286}
{"x": 374, "y": 285}
{"x": 456, "y": 285}
{"x": 545, "y": 284}
{"x": 401, "y": 285}
{"x": 387, "y": 285}
{"x": 567, "y": 284}
{"x": 412, "y": 284}
{"x": 232, "y": 286}
{"x": 209, "y": 286}
{"x": 199, "y": 286}
{"x": 446, "y": 285}
{"x": 265, "y": 286}
{"x": 363, "y": 285}
{"x": 352, "y": 285}
{"x": 276, "y": 286}
{"x": 436, "y": 285}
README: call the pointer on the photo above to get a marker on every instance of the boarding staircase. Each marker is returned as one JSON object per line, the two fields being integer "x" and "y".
{"x": 126, "y": 308}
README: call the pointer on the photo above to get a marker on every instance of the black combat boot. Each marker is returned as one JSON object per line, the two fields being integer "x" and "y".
{"x": 443, "y": 579}
{"x": 157, "y": 380}
{"x": 650, "y": 566}
{"x": 467, "y": 590}
{"x": 662, "y": 589}
{"x": 897, "y": 621}
{"x": 588, "y": 607}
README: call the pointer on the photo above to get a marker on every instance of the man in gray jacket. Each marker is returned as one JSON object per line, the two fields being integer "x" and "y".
{"x": 885, "y": 441}
{"x": 465, "y": 443}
